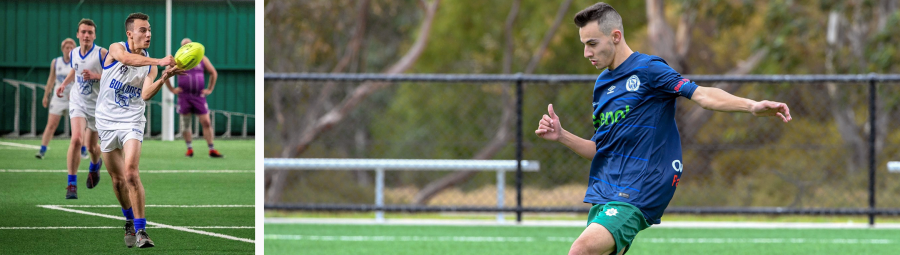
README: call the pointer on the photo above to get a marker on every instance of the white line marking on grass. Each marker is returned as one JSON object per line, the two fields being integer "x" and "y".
{"x": 765, "y": 240}
{"x": 107, "y": 227}
{"x": 515, "y": 239}
{"x": 167, "y": 206}
{"x": 142, "y": 171}
{"x": 151, "y": 223}
{"x": 580, "y": 223}
{"x": 488, "y": 239}
{"x": 35, "y": 147}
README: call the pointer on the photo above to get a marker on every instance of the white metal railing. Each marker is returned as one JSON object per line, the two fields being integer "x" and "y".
{"x": 196, "y": 122}
{"x": 381, "y": 165}
{"x": 17, "y": 84}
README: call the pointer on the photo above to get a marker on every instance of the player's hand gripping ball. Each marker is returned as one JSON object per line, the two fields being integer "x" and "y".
{"x": 189, "y": 55}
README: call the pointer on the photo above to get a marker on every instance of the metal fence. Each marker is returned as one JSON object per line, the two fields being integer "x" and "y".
{"x": 37, "y": 124}
{"x": 831, "y": 159}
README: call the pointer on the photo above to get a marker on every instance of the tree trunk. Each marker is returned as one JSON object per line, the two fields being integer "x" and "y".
{"x": 502, "y": 136}
{"x": 315, "y": 127}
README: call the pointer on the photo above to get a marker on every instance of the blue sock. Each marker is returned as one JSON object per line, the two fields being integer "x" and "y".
{"x": 93, "y": 168}
{"x": 43, "y": 148}
{"x": 210, "y": 146}
{"x": 140, "y": 224}
{"x": 83, "y": 149}
{"x": 73, "y": 179}
{"x": 129, "y": 215}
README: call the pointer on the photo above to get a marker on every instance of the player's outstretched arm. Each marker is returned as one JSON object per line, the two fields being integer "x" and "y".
{"x": 549, "y": 128}
{"x": 118, "y": 53}
{"x": 49, "y": 88}
{"x": 62, "y": 86}
{"x": 152, "y": 87}
{"x": 718, "y": 100}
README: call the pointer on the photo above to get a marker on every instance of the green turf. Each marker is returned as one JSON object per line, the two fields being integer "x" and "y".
{"x": 22, "y": 192}
{"x": 521, "y": 240}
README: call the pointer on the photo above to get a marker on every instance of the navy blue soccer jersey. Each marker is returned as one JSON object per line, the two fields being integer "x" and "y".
{"x": 638, "y": 157}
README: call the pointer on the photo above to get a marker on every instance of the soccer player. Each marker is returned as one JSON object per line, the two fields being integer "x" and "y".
{"x": 192, "y": 100}
{"x": 85, "y": 71}
{"x": 56, "y": 107}
{"x": 635, "y": 149}
{"x": 128, "y": 74}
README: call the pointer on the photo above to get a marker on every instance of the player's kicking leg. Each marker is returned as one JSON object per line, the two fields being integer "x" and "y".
{"x": 114, "y": 165}
{"x": 208, "y": 134}
{"x": 122, "y": 165}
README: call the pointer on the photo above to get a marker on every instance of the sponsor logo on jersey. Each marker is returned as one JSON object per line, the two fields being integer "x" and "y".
{"x": 681, "y": 82}
{"x": 610, "y": 117}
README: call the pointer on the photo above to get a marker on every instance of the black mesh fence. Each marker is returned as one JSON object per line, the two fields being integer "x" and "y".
{"x": 819, "y": 163}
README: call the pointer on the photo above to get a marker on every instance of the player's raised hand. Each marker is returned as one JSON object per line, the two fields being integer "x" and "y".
{"x": 769, "y": 108}
{"x": 549, "y": 127}
{"x": 167, "y": 61}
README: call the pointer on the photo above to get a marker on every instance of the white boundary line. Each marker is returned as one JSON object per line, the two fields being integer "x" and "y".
{"x": 514, "y": 239}
{"x": 151, "y": 223}
{"x": 21, "y": 145}
{"x": 167, "y": 206}
{"x": 107, "y": 227}
{"x": 579, "y": 223}
{"x": 142, "y": 171}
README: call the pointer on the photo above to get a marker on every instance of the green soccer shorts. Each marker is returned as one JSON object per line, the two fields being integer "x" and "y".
{"x": 623, "y": 221}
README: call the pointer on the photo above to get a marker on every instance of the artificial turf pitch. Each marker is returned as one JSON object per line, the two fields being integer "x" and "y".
{"x": 208, "y": 202}
{"x": 522, "y": 240}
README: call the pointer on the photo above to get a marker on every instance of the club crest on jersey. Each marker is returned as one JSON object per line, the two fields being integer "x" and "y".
{"x": 123, "y": 69}
{"x": 124, "y": 93}
{"x": 85, "y": 88}
{"x": 633, "y": 83}
{"x": 611, "y": 212}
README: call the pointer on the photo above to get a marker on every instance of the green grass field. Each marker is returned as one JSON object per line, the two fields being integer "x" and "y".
{"x": 522, "y": 240}
{"x": 93, "y": 223}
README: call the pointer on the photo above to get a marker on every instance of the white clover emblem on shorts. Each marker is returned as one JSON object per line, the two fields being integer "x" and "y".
{"x": 611, "y": 212}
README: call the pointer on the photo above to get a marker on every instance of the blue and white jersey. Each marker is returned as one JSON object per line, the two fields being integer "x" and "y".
{"x": 84, "y": 94}
{"x": 638, "y": 157}
{"x": 62, "y": 69}
{"x": 120, "y": 105}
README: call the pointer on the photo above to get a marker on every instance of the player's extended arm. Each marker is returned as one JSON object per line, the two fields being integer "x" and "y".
{"x": 118, "y": 53}
{"x": 213, "y": 75}
{"x": 48, "y": 90}
{"x": 152, "y": 87}
{"x": 549, "y": 128}
{"x": 62, "y": 86}
{"x": 718, "y": 100}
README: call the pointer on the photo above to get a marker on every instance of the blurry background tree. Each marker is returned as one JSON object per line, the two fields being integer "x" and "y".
{"x": 457, "y": 121}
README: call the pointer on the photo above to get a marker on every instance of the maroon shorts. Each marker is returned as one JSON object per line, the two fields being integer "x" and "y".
{"x": 191, "y": 104}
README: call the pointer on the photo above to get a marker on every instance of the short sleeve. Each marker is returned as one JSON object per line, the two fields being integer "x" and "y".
{"x": 666, "y": 80}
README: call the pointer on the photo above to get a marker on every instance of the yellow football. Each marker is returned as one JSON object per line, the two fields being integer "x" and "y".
{"x": 189, "y": 55}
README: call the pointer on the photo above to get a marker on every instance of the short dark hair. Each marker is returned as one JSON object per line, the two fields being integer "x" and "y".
{"x": 606, "y": 17}
{"x": 88, "y": 22}
{"x": 129, "y": 22}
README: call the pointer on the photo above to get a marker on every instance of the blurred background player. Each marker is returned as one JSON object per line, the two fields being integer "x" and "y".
{"x": 192, "y": 101}
{"x": 59, "y": 68}
{"x": 85, "y": 71}
{"x": 127, "y": 82}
